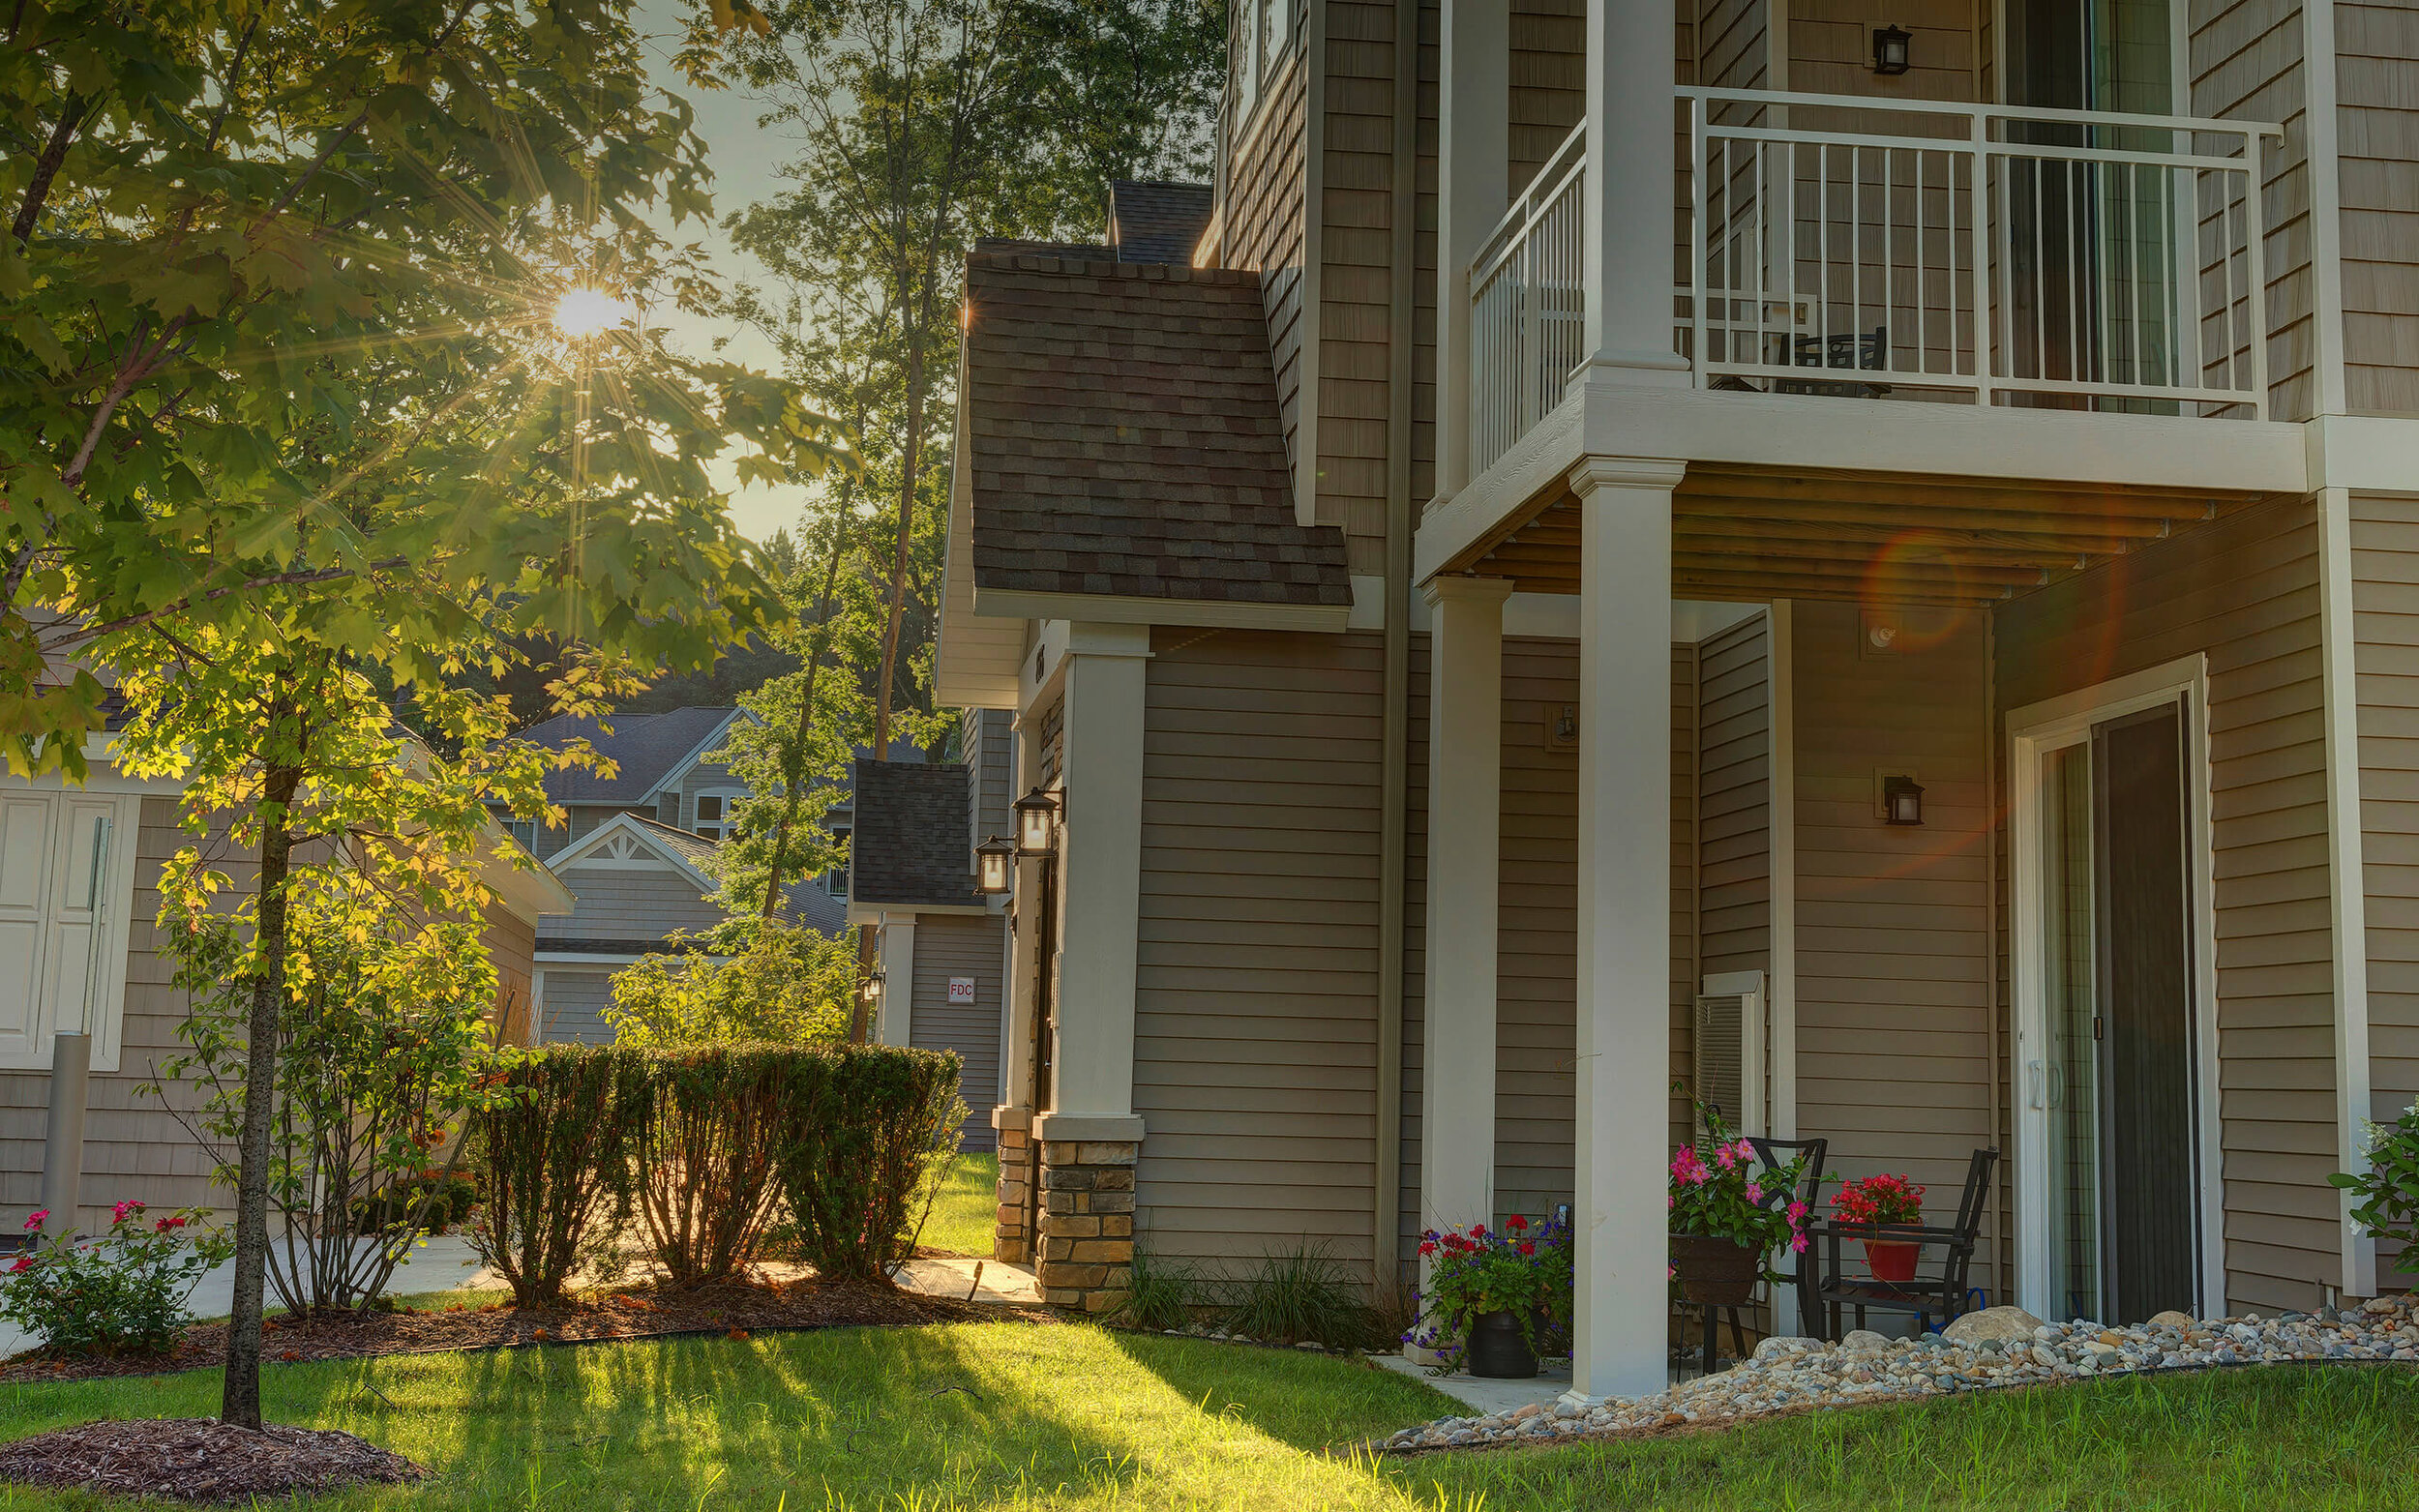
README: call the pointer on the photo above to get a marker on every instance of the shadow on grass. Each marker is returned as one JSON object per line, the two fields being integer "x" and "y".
{"x": 1310, "y": 1401}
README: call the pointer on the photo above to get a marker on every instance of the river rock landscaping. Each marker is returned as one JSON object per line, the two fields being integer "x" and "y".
{"x": 2000, "y": 1346}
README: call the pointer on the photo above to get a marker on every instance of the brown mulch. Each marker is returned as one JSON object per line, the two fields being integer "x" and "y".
{"x": 734, "y": 1309}
{"x": 200, "y": 1459}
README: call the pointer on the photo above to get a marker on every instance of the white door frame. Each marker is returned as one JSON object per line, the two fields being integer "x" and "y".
{"x": 2033, "y": 730}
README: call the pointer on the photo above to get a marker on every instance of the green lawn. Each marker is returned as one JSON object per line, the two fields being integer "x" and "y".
{"x": 1014, "y": 1416}
{"x": 962, "y": 1217}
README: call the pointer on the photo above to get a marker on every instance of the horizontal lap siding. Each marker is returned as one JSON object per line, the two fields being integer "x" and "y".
{"x": 1733, "y": 883}
{"x": 2385, "y": 602}
{"x": 1893, "y": 928}
{"x": 134, "y": 1145}
{"x": 617, "y": 902}
{"x": 1410, "y": 1217}
{"x": 2376, "y": 88}
{"x": 1356, "y": 278}
{"x": 1256, "y": 984}
{"x": 2244, "y": 592}
{"x": 1549, "y": 86}
{"x": 2245, "y": 62}
{"x": 1264, "y": 220}
{"x": 962, "y": 945}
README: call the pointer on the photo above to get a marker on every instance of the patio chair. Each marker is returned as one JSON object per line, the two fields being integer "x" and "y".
{"x": 1944, "y": 1256}
{"x": 1773, "y": 1155}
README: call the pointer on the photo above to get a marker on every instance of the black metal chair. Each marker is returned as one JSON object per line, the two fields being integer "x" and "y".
{"x": 1773, "y": 1155}
{"x": 1936, "y": 1290}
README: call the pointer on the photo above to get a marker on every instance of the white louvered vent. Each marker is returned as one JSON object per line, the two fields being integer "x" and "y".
{"x": 1728, "y": 1051}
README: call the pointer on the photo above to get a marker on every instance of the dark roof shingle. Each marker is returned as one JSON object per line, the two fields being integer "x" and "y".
{"x": 643, "y": 748}
{"x": 909, "y": 846}
{"x": 1158, "y": 223}
{"x": 1124, "y": 437}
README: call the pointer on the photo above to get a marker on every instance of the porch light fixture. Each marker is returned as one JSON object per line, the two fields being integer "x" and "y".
{"x": 993, "y": 864}
{"x": 1890, "y": 48}
{"x": 873, "y": 987}
{"x": 1905, "y": 798}
{"x": 1034, "y": 835}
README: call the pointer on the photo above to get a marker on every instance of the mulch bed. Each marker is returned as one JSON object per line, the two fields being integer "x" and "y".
{"x": 734, "y": 1309}
{"x": 200, "y": 1459}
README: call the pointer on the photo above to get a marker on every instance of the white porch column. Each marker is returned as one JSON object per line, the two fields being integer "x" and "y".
{"x": 1625, "y": 921}
{"x": 1100, "y": 884}
{"x": 898, "y": 978}
{"x": 1628, "y": 230}
{"x": 1465, "y": 820}
{"x": 1474, "y": 187}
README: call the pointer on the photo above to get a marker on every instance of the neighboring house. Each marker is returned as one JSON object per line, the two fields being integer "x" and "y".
{"x": 1482, "y": 667}
{"x": 942, "y": 948}
{"x": 80, "y": 869}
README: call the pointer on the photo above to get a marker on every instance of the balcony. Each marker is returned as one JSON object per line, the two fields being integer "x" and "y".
{"x": 1953, "y": 253}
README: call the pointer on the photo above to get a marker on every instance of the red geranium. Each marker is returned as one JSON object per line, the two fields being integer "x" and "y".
{"x": 1884, "y": 1199}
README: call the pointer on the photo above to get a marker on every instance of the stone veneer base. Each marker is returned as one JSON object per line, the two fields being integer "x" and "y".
{"x": 1086, "y": 1223}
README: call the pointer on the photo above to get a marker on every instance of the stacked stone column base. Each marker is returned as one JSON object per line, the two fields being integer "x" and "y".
{"x": 1086, "y": 1223}
{"x": 1009, "y": 1242}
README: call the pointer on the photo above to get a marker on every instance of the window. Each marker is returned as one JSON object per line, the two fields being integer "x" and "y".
{"x": 716, "y": 814}
{"x": 67, "y": 885}
{"x": 524, "y": 831}
{"x": 836, "y": 880}
{"x": 1260, "y": 40}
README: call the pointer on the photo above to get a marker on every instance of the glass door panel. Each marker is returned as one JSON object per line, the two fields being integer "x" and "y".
{"x": 2069, "y": 914}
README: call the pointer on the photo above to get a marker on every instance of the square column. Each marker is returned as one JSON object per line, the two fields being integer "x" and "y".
{"x": 895, "y": 1024}
{"x": 1465, "y": 824}
{"x": 1473, "y": 190}
{"x": 1627, "y": 228}
{"x": 1619, "y": 1336}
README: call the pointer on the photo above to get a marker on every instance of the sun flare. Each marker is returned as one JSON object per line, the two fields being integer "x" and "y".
{"x": 584, "y": 312}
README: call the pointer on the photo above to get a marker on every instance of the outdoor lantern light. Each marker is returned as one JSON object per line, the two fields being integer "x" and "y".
{"x": 1033, "y": 837}
{"x": 1890, "y": 48}
{"x": 1904, "y": 800}
{"x": 994, "y": 861}
{"x": 873, "y": 987}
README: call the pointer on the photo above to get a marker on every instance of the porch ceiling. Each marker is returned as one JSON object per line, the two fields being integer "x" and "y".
{"x": 1759, "y": 533}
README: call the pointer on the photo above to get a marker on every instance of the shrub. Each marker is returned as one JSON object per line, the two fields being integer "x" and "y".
{"x": 873, "y": 1134}
{"x": 1303, "y": 1294}
{"x": 711, "y": 1124}
{"x": 787, "y": 985}
{"x": 121, "y": 1293}
{"x": 554, "y": 1152}
{"x": 2388, "y": 1190}
{"x": 1159, "y": 1294}
{"x": 433, "y": 1198}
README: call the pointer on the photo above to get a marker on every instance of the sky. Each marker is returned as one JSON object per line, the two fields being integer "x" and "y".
{"x": 744, "y": 158}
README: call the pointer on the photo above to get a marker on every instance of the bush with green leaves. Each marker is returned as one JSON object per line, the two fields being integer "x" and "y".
{"x": 2388, "y": 1190}
{"x": 711, "y": 1123}
{"x": 122, "y": 1292}
{"x": 873, "y": 1132}
{"x": 780, "y": 984}
{"x": 554, "y": 1151}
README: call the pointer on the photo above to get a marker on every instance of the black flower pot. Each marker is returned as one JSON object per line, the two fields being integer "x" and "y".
{"x": 1498, "y": 1349}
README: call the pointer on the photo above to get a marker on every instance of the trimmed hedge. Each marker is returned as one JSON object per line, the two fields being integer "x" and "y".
{"x": 704, "y": 1148}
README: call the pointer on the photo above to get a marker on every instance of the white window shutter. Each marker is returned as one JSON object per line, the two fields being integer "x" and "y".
{"x": 24, "y": 898}
{"x": 1728, "y": 1051}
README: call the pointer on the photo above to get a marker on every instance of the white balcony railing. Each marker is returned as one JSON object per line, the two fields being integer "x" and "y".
{"x": 1976, "y": 253}
{"x": 1528, "y": 306}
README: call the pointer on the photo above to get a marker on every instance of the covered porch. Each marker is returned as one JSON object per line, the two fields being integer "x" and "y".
{"x": 1773, "y": 645}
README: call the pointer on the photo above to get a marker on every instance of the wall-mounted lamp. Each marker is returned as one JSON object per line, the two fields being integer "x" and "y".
{"x": 1035, "y": 834}
{"x": 873, "y": 987}
{"x": 1890, "y": 48}
{"x": 995, "y": 861}
{"x": 1903, "y": 800}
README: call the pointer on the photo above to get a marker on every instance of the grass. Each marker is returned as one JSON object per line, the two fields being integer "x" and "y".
{"x": 969, "y": 1204}
{"x": 1010, "y": 1416}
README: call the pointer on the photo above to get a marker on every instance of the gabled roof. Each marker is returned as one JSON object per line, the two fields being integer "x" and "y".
{"x": 1124, "y": 440}
{"x": 683, "y": 850}
{"x": 650, "y": 752}
{"x": 1152, "y": 222}
{"x": 910, "y": 847}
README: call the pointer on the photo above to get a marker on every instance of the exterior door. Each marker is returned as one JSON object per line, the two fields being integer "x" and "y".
{"x": 2115, "y": 1087}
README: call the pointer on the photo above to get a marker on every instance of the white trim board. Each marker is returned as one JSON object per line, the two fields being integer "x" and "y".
{"x": 2347, "y": 892}
{"x": 584, "y": 852}
{"x": 673, "y": 773}
{"x": 2033, "y": 730}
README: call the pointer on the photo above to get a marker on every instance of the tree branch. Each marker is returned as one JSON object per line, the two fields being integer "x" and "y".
{"x": 46, "y": 167}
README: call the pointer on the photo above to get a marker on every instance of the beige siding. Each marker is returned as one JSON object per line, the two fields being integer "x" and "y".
{"x": 1733, "y": 800}
{"x": 963, "y": 945}
{"x": 2376, "y": 86}
{"x": 1732, "y": 43}
{"x": 1549, "y": 84}
{"x": 1264, "y": 220}
{"x": 615, "y": 903}
{"x": 572, "y": 1003}
{"x": 2244, "y": 592}
{"x": 1256, "y": 984}
{"x": 2246, "y": 62}
{"x": 1356, "y": 277}
{"x": 1831, "y": 48}
{"x": 988, "y": 743}
{"x": 2385, "y": 604}
{"x": 1892, "y": 936}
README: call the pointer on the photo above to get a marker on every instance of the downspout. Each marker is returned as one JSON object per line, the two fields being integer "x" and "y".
{"x": 1393, "y": 782}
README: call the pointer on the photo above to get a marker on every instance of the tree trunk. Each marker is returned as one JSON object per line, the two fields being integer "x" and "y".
{"x": 911, "y": 456}
{"x": 794, "y": 774}
{"x": 240, "y": 1405}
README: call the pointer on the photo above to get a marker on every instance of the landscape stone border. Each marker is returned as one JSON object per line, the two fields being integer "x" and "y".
{"x": 2001, "y": 1347}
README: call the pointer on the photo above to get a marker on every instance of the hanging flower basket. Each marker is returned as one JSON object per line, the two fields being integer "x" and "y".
{"x": 1714, "y": 1269}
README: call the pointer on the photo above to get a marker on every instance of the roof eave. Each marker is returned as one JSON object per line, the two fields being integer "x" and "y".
{"x": 1133, "y": 609}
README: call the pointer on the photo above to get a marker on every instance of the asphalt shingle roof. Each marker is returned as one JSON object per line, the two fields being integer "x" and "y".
{"x": 910, "y": 844}
{"x": 1125, "y": 436}
{"x": 1157, "y": 221}
{"x": 643, "y": 747}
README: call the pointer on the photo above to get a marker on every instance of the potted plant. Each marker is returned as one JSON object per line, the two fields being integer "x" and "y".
{"x": 1727, "y": 1212}
{"x": 1884, "y": 1199}
{"x": 1494, "y": 1301}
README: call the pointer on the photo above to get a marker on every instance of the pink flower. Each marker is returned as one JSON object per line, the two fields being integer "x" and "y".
{"x": 1755, "y": 1191}
{"x": 1797, "y": 1212}
{"x": 1725, "y": 1157}
{"x": 171, "y": 1224}
{"x": 21, "y": 1264}
{"x": 1797, "y": 1244}
{"x": 117, "y": 1214}
{"x": 35, "y": 1220}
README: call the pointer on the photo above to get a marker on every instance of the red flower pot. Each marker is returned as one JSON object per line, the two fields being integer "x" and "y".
{"x": 1721, "y": 1271}
{"x": 1890, "y": 1260}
